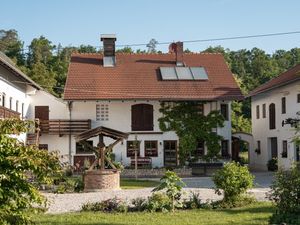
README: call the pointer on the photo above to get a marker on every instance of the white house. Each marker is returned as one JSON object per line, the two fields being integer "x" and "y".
{"x": 271, "y": 104}
{"x": 124, "y": 92}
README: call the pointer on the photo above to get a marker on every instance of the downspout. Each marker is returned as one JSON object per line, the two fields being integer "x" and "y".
{"x": 70, "y": 106}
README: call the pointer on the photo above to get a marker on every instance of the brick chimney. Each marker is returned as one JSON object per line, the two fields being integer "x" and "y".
{"x": 177, "y": 48}
{"x": 109, "y": 51}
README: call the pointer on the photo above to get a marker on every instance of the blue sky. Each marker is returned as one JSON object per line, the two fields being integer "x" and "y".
{"x": 75, "y": 22}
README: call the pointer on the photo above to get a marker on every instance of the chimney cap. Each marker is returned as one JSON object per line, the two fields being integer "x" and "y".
{"x": 108, "y": 36}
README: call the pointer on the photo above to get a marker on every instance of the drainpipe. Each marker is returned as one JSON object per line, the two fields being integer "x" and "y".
{"x": 70, "y": 105}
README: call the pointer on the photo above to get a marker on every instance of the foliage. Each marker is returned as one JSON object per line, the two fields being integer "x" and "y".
{"x": 109, "y": 205}
{"x": 139, "y": 204}
{"x": 194, "y": 202}
{"x": 19, "y": 164}
{"x": 69, "y": 185}
{"x": 234, "y": 180}
{"x": 159, "y": 202}
{"x": 152, "y": 46}
{"x": 239, "y": 122}
{"x": 272, "y": 164}
{"x": 190, "y": 125}
{"x": 285, "y": 193}
{"x": 172, "y": 185}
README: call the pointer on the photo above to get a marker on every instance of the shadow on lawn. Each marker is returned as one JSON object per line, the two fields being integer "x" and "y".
{"x": 256, "y": 209}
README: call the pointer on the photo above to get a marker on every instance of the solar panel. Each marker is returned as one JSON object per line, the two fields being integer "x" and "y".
{"x": 199, "y": 73}
{"x": 184, "y": 73}
{"x": 168, "y": 73}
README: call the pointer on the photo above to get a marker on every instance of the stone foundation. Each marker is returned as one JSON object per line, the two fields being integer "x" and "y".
{"x": 155, "y": 173}
{"x": 97, "y": 180}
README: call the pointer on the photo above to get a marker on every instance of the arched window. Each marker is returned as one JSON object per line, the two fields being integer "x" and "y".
{"x": 272, "y": 116}
{"x": 142, "y": 117}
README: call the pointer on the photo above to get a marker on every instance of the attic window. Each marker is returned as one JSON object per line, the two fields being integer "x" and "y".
{"x": 102, "y": 112}
{"x": 183, "y": 73}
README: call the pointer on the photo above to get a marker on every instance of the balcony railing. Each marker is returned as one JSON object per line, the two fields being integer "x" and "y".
{"x": 8, "y": 113}
{"x": 62, "y": 127}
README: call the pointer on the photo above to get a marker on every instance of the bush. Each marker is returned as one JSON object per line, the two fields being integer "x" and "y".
{"x": 110, "y": 205}
{"x": 234, "y": 180}
{"x": 139, "y": 204}
{"x": 272, "y": 164}
{"x": 159, "y": 202}
{"x": 285, "y": 192}
{"x": 172, "y": 185}
{"x": 194, "y": 202}
{"x": 69, "y": 185}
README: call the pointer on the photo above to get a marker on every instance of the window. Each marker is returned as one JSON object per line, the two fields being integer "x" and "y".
{"x": 298, "y": 98}
{"x": 22, "y": 110}
{"x": 3, "y": 99}
{"x": 225, "y": 148}
{"x": 10, "y": 103}
{"x": 17, "y": 106}
{"x": 284, "y": 153}
{"x": 258, "y": 151}
{"x": 224, "y": 111}
{"x": 257, "y": 112}
{"x": 151, "y": 149}
{"x": 272, "y": 117}
{"x": 264, "y": 110}
{"x": 84, "y": 147}
{"x": 133, "y": 146}
{"x": 283, "y": 105}
{"x": 102, "y": 112}
{"x": 200, "y": 109}
{"x": 142, "y": 117}
{"x": 200, "y": 149}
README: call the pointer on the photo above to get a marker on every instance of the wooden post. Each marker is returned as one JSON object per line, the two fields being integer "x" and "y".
{"x": 135, "y": 156}
{"x": 101, "y": 147}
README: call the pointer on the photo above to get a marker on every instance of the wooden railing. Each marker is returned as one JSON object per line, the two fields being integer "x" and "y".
{"x": 8, "y": 113}
{"x": 62, "y": 127}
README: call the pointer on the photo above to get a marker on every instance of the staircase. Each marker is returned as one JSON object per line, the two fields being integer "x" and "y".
{"x": 34, "y": 138}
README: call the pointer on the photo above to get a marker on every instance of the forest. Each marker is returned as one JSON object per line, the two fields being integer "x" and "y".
{"x": 47, "y": 64}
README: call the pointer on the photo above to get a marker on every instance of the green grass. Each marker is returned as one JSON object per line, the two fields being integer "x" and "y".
{"x": 136, "y": 184}
{"x": 258, "y": 213}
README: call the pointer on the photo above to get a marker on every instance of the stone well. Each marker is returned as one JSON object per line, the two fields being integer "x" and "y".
{"x": 96, "y": 180}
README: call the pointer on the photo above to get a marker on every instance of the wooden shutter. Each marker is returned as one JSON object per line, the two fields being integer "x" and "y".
{"x": 142, "y": 117}
{"x": 272, "y": 116}
{"x": 42, "y": 112}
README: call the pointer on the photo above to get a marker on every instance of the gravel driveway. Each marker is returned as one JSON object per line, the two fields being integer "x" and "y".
{"x": 62, "y": 203}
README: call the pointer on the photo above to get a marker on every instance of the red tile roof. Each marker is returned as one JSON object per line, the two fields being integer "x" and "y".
{"x": 137, "y": 76}
{"x": 284, "y": 78}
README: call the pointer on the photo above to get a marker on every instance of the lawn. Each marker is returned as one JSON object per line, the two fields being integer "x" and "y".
{"x": 136, "y": 184}
{"x": 258, "y": 213}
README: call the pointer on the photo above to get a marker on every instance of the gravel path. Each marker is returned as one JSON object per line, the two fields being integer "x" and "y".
{"x": 62, "y": 203}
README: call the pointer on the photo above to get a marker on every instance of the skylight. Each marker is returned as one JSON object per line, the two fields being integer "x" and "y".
{"x": 183, "y": 73}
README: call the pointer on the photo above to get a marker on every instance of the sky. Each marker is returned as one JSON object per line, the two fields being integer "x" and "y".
{"x": 76, "y": 22}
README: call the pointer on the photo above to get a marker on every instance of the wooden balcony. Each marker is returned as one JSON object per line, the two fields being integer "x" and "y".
{"x": 8, "y": 113}
{"x": 62, "y": 127}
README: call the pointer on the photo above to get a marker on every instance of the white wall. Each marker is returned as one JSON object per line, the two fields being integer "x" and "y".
{"x": 120, "y": 119}
{"x": 260, "y": 127}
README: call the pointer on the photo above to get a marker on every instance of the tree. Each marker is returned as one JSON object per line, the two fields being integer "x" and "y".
{"x": 12, "y": 46}
{"x": 18, "y": 165}
{"x": 152, "y": 46}
{"x": 192, "y": 126}
{"x": 86, "y": 49}
{"x": 125, "y": 50}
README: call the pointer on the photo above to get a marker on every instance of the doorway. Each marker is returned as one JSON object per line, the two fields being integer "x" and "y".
{"x": 274, "y": 147}
{"x": 170, "y": 153}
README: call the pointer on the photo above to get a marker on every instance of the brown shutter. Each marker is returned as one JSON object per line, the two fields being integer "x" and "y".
{"x": 272, "y": 116}
{"x": 42, "y": 112}
{"x": 142, "y": 117}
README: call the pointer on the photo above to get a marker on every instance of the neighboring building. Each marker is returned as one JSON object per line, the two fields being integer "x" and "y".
{"x": 271, "y": 104}
{"x": 124, "y": 92}
{"x": 23, "y": 98}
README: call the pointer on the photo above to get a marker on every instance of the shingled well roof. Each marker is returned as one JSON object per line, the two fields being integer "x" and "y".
{"x": 137, "y": 76}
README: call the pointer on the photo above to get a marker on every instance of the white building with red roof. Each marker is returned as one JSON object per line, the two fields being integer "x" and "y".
{"x": 273, "y": 105}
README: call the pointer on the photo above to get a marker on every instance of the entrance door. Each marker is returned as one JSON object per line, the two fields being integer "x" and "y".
{"x": 170, "y": 153}
{"x": 298, "y": 153}
{"x": 235, "y": 149}
{"x": 274, "y": 147}
{"x": 42, "y": 113}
